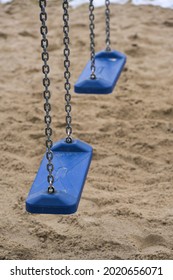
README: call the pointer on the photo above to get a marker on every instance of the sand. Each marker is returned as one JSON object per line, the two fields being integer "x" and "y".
{"x": 126, "y": 210}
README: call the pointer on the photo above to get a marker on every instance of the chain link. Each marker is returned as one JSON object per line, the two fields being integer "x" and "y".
{"x": 107, "y": 14}
{"x": 46, "y": 95}
{"x": 92, "y": 41}
{"x": 67, "y": 74}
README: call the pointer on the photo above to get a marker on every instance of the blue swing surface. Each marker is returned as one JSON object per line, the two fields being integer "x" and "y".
{"x": 71, "y": 164}
{"x": 109, "y": 65}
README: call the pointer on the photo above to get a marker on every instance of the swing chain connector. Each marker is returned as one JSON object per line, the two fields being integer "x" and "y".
{"x": 51, "y": 189}
{"x": 107, "y": 18}
{"x": 47, "y": 95}
{"x": 67, "y": 74}
{"x": 92, "y": 41}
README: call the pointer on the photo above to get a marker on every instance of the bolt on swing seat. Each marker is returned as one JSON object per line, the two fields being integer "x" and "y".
{"x": 71, "y": 164}
{"x": 109, "y": 65}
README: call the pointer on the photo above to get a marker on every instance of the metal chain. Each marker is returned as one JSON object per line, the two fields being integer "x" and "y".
{"x": 92, "y": 41}
{"x": 67, "y": 74}
{"x": 47, "y": 95}
{"x": 107, "y": 14}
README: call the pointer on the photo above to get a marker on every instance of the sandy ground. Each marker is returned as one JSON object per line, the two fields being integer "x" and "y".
{"x": 126, "y": 210}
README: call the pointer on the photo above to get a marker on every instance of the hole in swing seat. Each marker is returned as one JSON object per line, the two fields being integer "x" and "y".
{"x": 71, "y": 164}
{"x": 109, "y": 66}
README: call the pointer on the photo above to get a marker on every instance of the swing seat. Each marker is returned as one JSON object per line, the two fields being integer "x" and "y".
{"x": 71, "y": 164}
{"x": 109, "y": 66}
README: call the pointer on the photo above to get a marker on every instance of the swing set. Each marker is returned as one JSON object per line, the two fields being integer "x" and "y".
{"x": 59, "y": 182}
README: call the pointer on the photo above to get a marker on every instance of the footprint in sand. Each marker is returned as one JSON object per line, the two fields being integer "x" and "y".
{"x": 27, "y": 34}
{"x": 37, "y": 136}
{"x": 3, "y": 35}
{"x": 168, "y": 23}
{"x": 151, "y": 240}
{"x": 162, "y": 113}
{"x": 135, "y": 51}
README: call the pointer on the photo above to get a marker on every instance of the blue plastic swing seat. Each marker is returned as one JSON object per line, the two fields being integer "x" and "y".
{"x": 109, "y": 65}
{"x": 71, "y": 165}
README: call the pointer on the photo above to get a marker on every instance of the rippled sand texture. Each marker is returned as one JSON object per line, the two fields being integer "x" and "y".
{"x": 126, "y": 210}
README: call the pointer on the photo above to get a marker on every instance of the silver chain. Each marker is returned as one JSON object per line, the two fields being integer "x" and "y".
{"x": 107, "y": 15}
{"x": 67, "y": 74}
{"x": 92, "y": 41}
{"x": 46, "y": 95}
